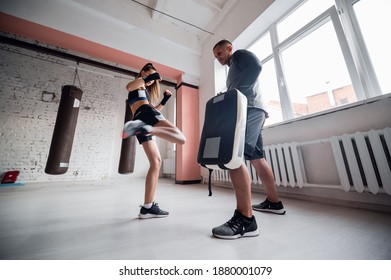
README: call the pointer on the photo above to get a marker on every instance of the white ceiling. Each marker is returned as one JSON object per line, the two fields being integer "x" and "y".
{"x": 184, "y": 22}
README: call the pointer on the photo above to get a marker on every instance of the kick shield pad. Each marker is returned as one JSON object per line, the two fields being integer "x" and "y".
{"x": 222, "y": 137}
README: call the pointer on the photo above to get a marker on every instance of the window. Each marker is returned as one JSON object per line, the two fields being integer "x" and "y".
{"x": 262, "y": 48}
{"x": 323, "y": 54}
{"x": 374, "y": 18}
{"x": 220, "y": 77}
{"x": 269, "y": 90}
{"x": 301, "y": 16}
{"x": 315, "y": 71}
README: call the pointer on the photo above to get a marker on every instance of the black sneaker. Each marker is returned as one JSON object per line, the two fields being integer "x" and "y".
{"x": 268, "y": 206}
{"x": 238, "y": 226}
{"x": 153, "y": 212}
{"x": 134, "y": 128}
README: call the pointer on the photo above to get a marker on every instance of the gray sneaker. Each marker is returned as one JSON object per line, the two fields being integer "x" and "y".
{"x": 238, "y": 226}
{"x": 153, "y": 212}
{"x": 271, "y": 207}
{"x": 135, "y": 127}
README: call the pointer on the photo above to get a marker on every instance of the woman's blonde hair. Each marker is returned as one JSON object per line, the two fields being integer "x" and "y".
{"x": 154, "y": 89}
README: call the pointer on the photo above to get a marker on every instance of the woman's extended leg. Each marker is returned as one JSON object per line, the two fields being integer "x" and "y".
{"x": 163, "y": 129}
{"x": 166, "y": 130}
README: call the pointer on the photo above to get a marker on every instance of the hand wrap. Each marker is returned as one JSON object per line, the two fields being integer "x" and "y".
{"x": 165, "y": 98}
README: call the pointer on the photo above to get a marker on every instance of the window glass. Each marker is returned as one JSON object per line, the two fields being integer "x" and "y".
{"x": 262, "y": 48}
{"x": 220, "y": 77}
{"x": 316, "y": 75}
{"x": 374, "y": 19}
{"x": 301, "y": 16}
{"x": 269, "y": 90}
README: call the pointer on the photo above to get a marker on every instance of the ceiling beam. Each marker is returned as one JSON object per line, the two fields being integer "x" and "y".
{"x": 158, "y": 6}
{"x": 212, "y": 5}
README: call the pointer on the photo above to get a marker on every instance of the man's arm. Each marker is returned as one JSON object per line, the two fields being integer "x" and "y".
{"x": 250, "y": 65}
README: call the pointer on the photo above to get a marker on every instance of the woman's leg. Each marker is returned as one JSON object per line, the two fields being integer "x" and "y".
{"x": 155, "y": 161}
{"x": 166, "y": 130}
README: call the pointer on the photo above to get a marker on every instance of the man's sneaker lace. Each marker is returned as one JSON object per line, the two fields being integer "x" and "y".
{"x": 268, "y": 206}
{"x": 153, "y": 212}
{"x": 238, "y": 226}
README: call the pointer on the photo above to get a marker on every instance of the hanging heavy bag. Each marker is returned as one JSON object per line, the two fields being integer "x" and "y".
{"x": 222, "y": 138}
{"x": 64, "y": 130}
{"x": 128, "y": 147}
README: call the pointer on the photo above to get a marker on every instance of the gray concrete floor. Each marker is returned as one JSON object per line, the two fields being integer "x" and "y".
{"x": 98, "y": 220}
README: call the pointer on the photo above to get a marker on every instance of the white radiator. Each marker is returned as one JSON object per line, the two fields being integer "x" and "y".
{"x": 287, "y": 164}
{"x": 362, "y": 160}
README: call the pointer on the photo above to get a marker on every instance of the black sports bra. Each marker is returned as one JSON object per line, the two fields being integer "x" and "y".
{"x": 137, "y": 95}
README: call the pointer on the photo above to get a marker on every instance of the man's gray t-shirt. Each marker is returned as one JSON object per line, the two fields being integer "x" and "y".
{"x": 244, "y": 69}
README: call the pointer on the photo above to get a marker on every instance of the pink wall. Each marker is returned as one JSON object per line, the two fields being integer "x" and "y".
{"x": 187, "y": 169}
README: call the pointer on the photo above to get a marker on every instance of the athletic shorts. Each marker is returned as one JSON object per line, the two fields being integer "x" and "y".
{"x": 253, "y": 145}
{"x": 150, "y": 116}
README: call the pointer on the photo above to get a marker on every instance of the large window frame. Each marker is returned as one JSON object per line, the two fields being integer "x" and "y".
{"x": 360, "y": 51}
{"x": 352, "y": 44}
{"x": 330, "y": 14}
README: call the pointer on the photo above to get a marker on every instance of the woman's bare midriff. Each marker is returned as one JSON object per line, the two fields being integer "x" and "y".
{"x": 137, "y": 105}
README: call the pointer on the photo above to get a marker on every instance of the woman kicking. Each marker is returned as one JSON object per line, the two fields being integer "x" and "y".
{"x": 147, "y": 122}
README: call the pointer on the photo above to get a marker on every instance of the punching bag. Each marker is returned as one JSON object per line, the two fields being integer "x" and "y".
{"x": 64, "y": 130}
{"x": 128, "y": 148}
